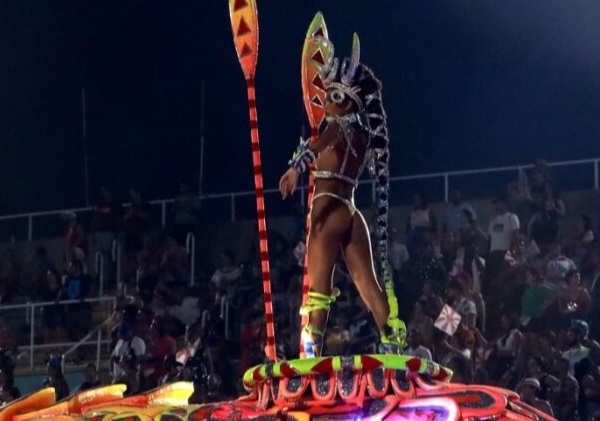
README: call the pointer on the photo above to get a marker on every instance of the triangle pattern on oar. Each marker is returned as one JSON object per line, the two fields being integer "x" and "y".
{"x": 318, "y": 82}
{"x": 239, "y": 4}
{"x": 319, "y": 32}
{"x": 317, "y": 101}
{"x": 318, "y": 57}
{"x": 243, "y": 28}
{"x": 245, "y": 50}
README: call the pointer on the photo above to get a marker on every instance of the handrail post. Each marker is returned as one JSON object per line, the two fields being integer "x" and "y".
{"x": 596, "y": 174}
{"x": 116, "y": 258}
{"x": 30, "y": 228}
{"x": 163, "y": 216}
{"x": 232, "y": 207}
{"x": 446, "y": 187}
{"x": 227, "y": 333}
{"x": 190, "y": 248}
{"x": 100, "y": 272}
{"x": 98, "y": 349}
{"x": 31, "y": 335}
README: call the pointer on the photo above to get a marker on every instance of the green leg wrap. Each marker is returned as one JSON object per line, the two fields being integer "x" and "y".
{"x": 311, "y": 337}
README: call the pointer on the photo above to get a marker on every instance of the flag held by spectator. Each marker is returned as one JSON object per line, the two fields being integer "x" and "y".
{"x": 448, "y": 320}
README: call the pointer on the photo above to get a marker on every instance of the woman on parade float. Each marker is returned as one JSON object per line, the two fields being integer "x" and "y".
{"x": 354, "y": 138}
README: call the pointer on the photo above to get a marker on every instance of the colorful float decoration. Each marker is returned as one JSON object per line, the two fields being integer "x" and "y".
{"x": 360, "y": 387}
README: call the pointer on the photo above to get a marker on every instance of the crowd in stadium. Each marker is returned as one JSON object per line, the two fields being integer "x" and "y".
{"x": 525, "y": 292}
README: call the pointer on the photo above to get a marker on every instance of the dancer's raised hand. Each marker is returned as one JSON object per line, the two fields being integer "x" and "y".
{"x": 288, "y": 182}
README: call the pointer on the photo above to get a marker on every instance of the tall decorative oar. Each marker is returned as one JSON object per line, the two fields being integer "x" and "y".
{"x": 244, "y": 23}
{"x": 315, "y": 53}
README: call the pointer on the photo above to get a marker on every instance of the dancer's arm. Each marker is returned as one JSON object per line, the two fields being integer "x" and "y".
{"x": 308, "y": 150}
{"x": 306, "y": 153}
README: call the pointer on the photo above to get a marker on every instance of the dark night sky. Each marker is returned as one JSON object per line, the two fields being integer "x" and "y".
{"x": 467, "y": 84}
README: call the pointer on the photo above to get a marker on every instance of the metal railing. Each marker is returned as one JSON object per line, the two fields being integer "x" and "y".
{"x": 190, "y": 248}
{"x": 32, "y": 314}
{"x": 445, "y": 178}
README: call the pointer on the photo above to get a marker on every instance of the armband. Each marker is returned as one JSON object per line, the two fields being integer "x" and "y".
{"x": 302, "y": 157}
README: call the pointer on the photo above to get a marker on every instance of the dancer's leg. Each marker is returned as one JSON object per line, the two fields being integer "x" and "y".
{"x": 356, "y": 249}
{"x": 330, "y": 219}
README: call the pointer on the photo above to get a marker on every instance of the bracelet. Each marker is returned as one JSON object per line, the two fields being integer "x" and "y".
{"x": 302, "y": 157}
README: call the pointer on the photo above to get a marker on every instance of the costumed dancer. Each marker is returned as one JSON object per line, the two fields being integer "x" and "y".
{"x": 354, "y": 138}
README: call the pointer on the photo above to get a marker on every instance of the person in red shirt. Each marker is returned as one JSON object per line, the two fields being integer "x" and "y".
{"x": 163, "y": 345}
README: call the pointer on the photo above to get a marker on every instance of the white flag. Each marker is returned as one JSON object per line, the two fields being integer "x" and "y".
{"x": 448, "y": 320}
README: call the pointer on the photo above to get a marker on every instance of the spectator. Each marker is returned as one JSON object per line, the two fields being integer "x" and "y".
{"x": 10, "y": 273}
{"x": 469, "y": 263}
{"x": 574, "y": 302}
{"x": 471, "y": 236}
{"x": 544, "y": 227}
{"x": 338, "y": 338}
{"x": 77, "y": 287}
{"x": 54, "y": 318}
{"x": 535, "y": 301}
{"x": 536, "y": 369}
{"x": 136, "y": 222}
{"x": 504, "y": 349}
{"x": 463, "y": 306}
{"x": 55, "y": 378}
{"x": 538, "y": 177}
{"x": 528, "y": 389}
{"x": 585, "y": 239}
{"x": 76, "y": 242}
{"x": 174, "y": 264}
{"x": 129, "y": 365}
{"x": 185, "y": 208}
{"x": 454, "y": 214}
{"x": 503, "y": 227}
{"x": 8, "y": 391}
{"x": 449, "y": 250}
{"x": 557, "y": 267}
{"x": 431, "y": 296}
{"x": 184, "y": 310}
{"x": 588, "y": 377}
{"x": 148, "y": 265}
{"x": 106, "y": 223}
{"x": 422, "y": 323}
{"x": 421, "y": 226}
{"x": 415, "y": 345}
{"x": 90, "y": 379}
{"x": 227, "y": 274}
{"x": 172, "y": 370}
{"x": 127, "y": 353}
{"x": 565, "y": 394}
{"x": 516, "y": 255}
{"x": 163, "y": 346}
{"x": 40, "y": 264}
{"x": 397, "y": 254}
{"x": 578, "y": 347}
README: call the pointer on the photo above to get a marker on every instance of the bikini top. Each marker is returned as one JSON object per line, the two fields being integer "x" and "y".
{"x": 348, "y": 124}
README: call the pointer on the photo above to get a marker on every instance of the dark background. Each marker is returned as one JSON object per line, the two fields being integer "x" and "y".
{"x": 467, "y": 84}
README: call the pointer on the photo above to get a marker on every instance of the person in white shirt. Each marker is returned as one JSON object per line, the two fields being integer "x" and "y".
{"x": 415, "y": 347}
{"x": 502, "y": 227}
{"x": 128, "y": 345}
{"x": 397, "y": 254}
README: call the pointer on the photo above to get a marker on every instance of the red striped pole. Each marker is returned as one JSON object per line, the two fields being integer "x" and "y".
{"x": 270, "y": 348}
{"x": 244, "y": 23}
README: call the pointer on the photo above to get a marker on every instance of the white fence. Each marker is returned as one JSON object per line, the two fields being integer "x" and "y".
{"x": 227, "y": 205}
{"x": 30, "y": 315}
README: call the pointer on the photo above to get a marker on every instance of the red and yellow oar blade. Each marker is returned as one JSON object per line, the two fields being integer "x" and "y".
{"x": 317, "y": 51}
{"x": 244, "y": 23}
